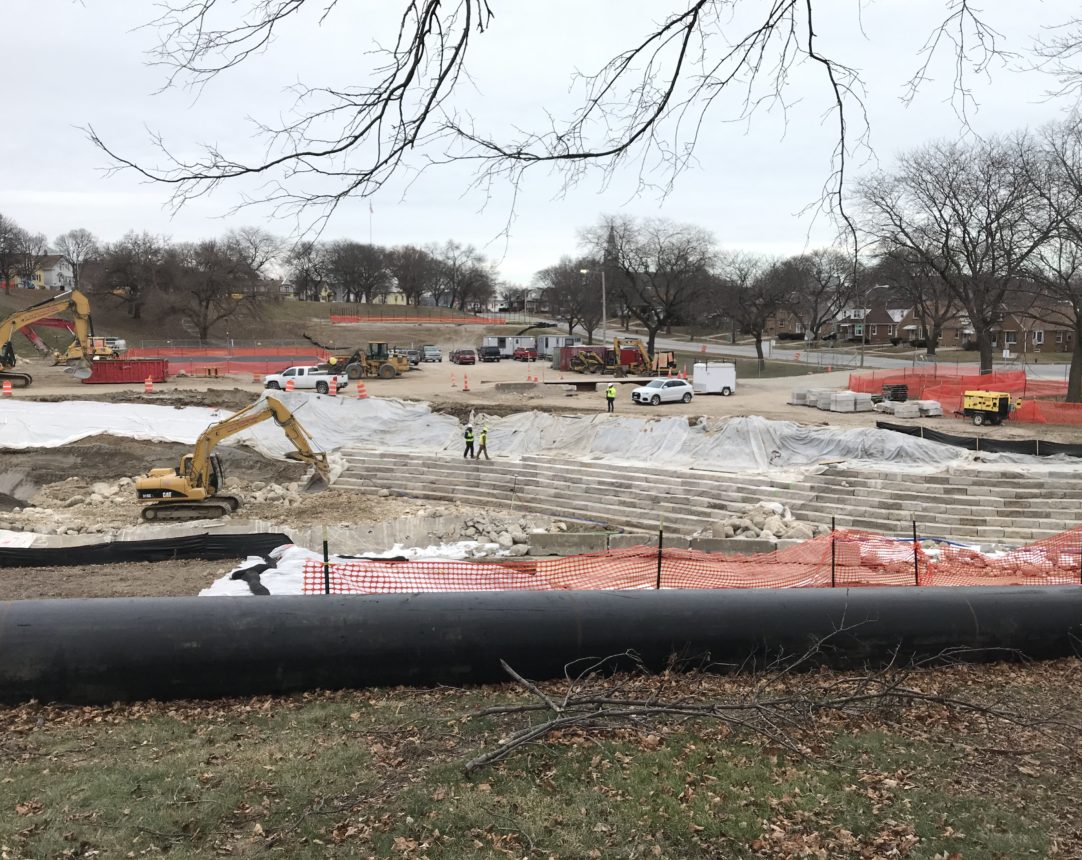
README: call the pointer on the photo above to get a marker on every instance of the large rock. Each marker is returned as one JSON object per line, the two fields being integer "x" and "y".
{"x": 774, "y": 524}
{"x": 799, "y": 531}
{"x": 505, "y": 540}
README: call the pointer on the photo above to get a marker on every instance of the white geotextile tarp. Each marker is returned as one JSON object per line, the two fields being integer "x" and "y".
{"x": 734, "y": 444}
{"x": 288, "y": 576}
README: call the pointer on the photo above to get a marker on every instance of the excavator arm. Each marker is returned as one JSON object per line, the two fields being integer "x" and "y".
{"x": 258, "y": 412}
{"x": 72, "y": 301}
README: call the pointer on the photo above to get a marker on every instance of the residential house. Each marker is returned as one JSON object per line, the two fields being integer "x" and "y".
{"x": 54, "y": 273}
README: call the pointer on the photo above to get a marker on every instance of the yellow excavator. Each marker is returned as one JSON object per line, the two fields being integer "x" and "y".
{"x": 72, "y": 301}
{"x": 192, "y": 490}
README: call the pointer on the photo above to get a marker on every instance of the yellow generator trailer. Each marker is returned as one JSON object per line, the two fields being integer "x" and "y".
{"x": 986, "y": 407}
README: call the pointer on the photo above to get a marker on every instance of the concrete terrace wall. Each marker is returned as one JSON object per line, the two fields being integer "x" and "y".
{"x": 966, "y": 503}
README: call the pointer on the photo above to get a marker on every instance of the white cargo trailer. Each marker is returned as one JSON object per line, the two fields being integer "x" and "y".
{"x": 714, "y": 377}
{"x": 546, "y": 343}
{"x": 508, "y": 345}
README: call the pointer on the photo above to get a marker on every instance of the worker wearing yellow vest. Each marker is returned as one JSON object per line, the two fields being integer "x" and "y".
{"x": 483, "y": 447}
{"x": 610, "y": 395}
{"x": 469, "y": 443}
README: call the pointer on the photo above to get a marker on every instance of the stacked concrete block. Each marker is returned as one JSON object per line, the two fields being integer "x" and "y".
{"x": 799, "y": 397}
{"x": 908, "y": 409}
{"x": 863, "y": 403}
{"x": 930, "y": 408}
{"x": 843, "y": 401}
{"x": 885, "y": 406}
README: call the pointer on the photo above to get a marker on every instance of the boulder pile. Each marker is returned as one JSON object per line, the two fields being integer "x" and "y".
{"x": 771, "y": 521}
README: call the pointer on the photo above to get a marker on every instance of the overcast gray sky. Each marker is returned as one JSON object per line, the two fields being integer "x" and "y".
{"x": 76, "y": 62}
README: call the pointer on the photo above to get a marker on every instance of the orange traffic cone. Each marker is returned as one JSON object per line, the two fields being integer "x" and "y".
{"x": 361, "y": 393}
{"x": 7, "y": 388}
{"x": 332, "y": 391}
{"x": 465, "y": 382}
{"x": 256, "y": 379}
{"x": 290, "y": 385}
{"x": 148, "y": 386}
{"x": 684, "y": 372}
{"x": 453, "y": 381}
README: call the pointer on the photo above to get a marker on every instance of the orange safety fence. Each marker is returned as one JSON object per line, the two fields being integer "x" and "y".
{"x": 436, "y": 320}
{"x": 1040, "y": 399}
{"x": 843, "y": 559}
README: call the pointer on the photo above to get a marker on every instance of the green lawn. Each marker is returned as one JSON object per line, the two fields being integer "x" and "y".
{"x": 380, "y": 774}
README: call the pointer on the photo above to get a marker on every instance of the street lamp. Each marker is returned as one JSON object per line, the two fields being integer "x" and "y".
{"x": 604, "y": 307}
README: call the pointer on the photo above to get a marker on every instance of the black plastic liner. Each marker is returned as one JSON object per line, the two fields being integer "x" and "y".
{"x": 96, "y": 651}
{"x": 209, "y": 546}
{"x": 1039, "y": 447}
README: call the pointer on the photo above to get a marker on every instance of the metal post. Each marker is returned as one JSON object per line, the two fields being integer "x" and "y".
{"x": 326, "y": 564}
{"x": 833, "y": 555}
{"x": 604, "y": 309}
{"x": 916, "y": 547}
{"x": 660, "y": 544}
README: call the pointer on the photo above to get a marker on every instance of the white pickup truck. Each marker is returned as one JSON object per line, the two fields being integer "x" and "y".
{"x": 307, "y": 376}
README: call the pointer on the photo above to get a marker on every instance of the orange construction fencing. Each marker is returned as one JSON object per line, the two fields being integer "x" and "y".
{"x": 842, "y": 559}
{"x": 1041, "y": 399}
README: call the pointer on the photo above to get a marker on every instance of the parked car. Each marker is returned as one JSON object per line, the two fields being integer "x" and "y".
{"x": 489, "y": 353}
{"x": 524, "y": 353}
{"x": 431, "y": 353}
{"x": 663, "y": 391}
{"x": 464, "y": 356}
{"x": 414, "y": 355}
{"x": 307, "y": 376}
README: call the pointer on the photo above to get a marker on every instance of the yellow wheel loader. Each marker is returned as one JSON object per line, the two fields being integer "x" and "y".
{"x": 192, "y": 491}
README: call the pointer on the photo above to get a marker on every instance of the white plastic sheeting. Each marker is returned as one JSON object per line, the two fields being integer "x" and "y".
{"x": 288, "y": 576}
{"x": 734, "y": 444}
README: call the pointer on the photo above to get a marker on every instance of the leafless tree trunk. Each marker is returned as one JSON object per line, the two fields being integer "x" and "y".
{"x": 31, "y": 250}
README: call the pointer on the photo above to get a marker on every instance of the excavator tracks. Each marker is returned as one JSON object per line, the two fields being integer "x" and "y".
{"x": 208, "y": 509}
{"x": 17, "y": 380}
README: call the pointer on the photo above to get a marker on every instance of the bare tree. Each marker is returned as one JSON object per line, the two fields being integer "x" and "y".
{"x": 214, "y": 281}
{"x": 698, "y": 62}
{"x": 752, "y": 292}
{"x": 308, "y": 270}
{"x": 1055, "y": 171}
{"x": 821, "y": 283}
{"x": 416, "y": 272}
{"x": 132, "y": 270}
{"x": 971, "y": 215}
{"x": 918, "y": 282}
{"x": 9, "y": 250}
{"x": 359, "y": 272}
{"x": 31, "y": 249}
{"x": 258, "y": 247}
{"x": 76, "y": 247}
{"x": 466, "y": 276}
{"x": 573, "y": 297}
{"x": 660, "y": 267}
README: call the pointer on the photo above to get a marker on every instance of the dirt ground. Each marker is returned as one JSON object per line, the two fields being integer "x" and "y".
{"x": 443, "y": 386}
{"x": 136, "y": 579}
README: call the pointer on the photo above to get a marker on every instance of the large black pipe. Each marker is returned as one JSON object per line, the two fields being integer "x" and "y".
{"x": 93, "y": 651}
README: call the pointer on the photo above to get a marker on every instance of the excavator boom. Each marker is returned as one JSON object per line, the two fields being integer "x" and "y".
{"x": 73, "y": 302}
{"x": 191, "y": 491}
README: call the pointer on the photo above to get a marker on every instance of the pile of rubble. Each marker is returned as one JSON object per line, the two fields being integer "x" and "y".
{"x": 770, "y": 521}
{"x": 505, "y": 536}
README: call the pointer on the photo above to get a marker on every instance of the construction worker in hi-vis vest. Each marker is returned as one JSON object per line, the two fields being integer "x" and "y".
{"x": 610, "y": 395}
{"x": 469, "y": 442}
{"x": 483, "y": 447}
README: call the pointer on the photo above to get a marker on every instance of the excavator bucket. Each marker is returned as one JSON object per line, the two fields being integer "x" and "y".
{"x": 315, "y": 484}
{"x": 82, "y": 370}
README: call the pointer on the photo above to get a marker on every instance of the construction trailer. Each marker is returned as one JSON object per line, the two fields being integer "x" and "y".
{"x": 508, "y": 345}
{"x": 547, "y": 343}
{"x": 713, "y": 377}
